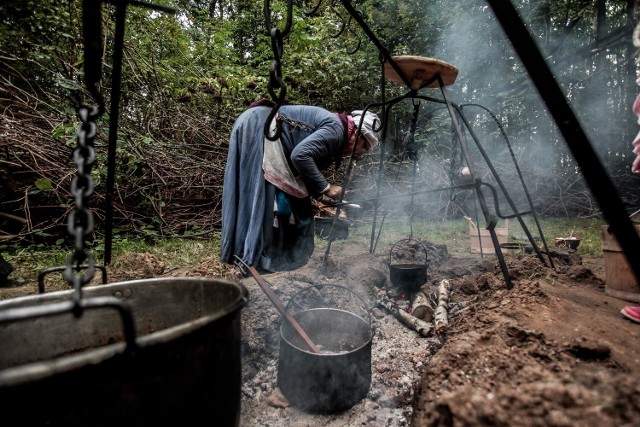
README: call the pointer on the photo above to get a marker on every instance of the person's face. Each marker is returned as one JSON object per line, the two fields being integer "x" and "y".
{"x": 362, "y": 145}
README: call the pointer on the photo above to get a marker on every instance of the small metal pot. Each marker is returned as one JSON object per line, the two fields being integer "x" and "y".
{"x": 408, "y": 277}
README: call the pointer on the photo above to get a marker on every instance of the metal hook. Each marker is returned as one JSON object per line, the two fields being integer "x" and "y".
{"x": 267, "y": 16}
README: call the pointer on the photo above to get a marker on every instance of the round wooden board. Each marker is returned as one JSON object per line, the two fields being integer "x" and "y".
{"x": 421, "y": 71}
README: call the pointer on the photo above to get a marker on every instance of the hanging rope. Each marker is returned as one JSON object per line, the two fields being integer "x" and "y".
{"x": 276, "y": 87}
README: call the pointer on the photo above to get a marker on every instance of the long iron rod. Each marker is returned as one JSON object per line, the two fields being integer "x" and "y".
{"x": 594, "y": 173}
{"x": 281, "y": 308}
{"x": 121, "y": 10}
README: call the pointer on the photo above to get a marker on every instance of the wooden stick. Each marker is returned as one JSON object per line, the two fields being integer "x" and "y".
{"x": 13, "y": 217}
{"x": 441, "y": 314}
{"x": 281, "y": 308}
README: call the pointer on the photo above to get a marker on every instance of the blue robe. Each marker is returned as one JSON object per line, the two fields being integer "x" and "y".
{"x": 312, "y": 138}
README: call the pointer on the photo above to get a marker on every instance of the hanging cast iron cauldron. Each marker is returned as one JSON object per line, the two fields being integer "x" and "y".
{"x": 410, "y": 276}
{"x": 338, "y": 376}
{"x": 184, "y": 367}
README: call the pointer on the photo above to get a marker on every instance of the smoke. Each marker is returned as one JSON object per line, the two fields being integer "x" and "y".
{"x": 492, "y": 82}
{"x": 491, "y": 75}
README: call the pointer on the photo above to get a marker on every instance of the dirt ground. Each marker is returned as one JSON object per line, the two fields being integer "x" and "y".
{"x": 551, "y": 351}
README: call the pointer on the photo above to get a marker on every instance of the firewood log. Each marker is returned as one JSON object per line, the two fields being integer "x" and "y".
{"x": 441, "y": 314}
{"x": 421, "y": 308}
{"x": 420, "y": 326}
{"x": 412, "y": 322}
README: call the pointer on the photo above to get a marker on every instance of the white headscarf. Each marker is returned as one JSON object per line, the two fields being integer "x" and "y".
{"x": 371, "y": 126}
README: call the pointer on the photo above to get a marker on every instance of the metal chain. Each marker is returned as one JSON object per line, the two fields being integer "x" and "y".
{"x": 294, "y": 123}
{"x": 80, "y": 221}
{"x": 276, "y": 87}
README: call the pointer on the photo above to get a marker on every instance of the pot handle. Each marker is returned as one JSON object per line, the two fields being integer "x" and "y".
{"x": 77, "y": 307}
{"x": 44, "y": 273}
{"x": 424, "y": 248}
{"x": 318, "y": 287}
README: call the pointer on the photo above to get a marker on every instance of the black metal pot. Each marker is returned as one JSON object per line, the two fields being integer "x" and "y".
{"x": 184, "y": 368}
{"x": 336, "y": 378}
{"x": 323, "y": 228}
{"x": 411, "y": 276}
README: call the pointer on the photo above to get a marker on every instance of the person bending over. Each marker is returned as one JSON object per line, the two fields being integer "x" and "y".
{"x": 267, "y": 215}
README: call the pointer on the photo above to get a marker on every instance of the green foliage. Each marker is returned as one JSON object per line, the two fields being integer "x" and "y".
{"x": 43, "y": 184}
{"x": 43, "y": 32}
{"x": 186, "y": 77}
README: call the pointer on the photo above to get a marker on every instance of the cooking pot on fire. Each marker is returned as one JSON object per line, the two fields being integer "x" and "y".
{"x": 174, "y": 361}
{"x": 339, "y": 375}
{"x": 408, "y": 276}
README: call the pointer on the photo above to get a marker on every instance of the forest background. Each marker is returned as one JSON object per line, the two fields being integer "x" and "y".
{"x": 187, "y": 76}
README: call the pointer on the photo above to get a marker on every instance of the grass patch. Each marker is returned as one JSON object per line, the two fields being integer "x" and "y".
{"x": 589, "y": 230}
{"x": 182, "y": 252}
{"x": 456, "y": 233}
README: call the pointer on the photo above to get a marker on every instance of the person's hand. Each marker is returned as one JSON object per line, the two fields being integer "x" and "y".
{"x": 635, "y": 167}
{"x": 333, "y": 192}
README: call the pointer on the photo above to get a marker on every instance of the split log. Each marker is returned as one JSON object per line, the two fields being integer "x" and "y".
{"x": 421, "y": 307}
{"x": 410, "y": 321}
{"x": 441, "y": 314}
{"x": 326, "y": 211}
{"x": 420, "y": 326}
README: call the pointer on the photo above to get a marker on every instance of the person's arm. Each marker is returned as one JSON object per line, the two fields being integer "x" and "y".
{"x": 319, "y": 147}
{"x": 635, "y": 167}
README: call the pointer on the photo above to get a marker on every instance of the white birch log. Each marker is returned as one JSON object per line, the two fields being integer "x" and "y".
{"x": 421, "y": 307}
{"x": 420, "y": 326}
{"x": 441, "y": 315}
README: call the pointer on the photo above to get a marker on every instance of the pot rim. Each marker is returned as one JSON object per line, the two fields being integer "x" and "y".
{"x": 37, "y": 370}
{"x": 366, "y": 342}
{"x": 424, "y": 248}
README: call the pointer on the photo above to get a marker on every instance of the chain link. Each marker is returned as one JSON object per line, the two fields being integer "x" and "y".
{"x": 276, "y": 87}
{"x": 80, "y": 222}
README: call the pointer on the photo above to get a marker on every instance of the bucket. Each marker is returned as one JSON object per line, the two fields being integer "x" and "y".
{"x": 339, "y": 376}
{"x": 184, "y": 368}
{"x": 620, "y": 282}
